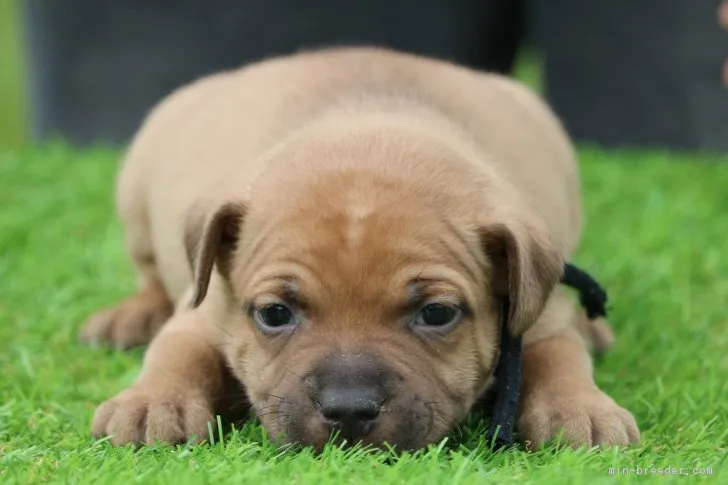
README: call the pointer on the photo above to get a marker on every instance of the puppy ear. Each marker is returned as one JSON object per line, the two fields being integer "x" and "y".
{"x": 209, "y": 240}
{"x": 526, "y": 266}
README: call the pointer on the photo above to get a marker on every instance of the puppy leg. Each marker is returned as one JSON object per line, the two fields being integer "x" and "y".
{"x": 132, "y": 322}
{"x": 559, "y": 393}
{"x": 182, "y": 381}
{"x": 135, "y": 320}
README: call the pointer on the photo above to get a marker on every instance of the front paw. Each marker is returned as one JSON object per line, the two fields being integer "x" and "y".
{"x": 586, "y": 417}
{"x": 148, "y": 413}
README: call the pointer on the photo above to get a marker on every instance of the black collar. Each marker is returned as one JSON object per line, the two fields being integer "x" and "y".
{"x": 508, "y": 369}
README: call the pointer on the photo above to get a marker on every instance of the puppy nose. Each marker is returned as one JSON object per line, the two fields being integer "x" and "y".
{"x": 351, "y": 411}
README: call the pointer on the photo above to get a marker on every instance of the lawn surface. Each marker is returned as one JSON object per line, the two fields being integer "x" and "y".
{"x": 656, "y": 237}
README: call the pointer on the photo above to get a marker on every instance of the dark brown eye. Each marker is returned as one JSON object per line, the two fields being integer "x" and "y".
{"x": 438, "y": 315}
{"x": 274, "y": 315}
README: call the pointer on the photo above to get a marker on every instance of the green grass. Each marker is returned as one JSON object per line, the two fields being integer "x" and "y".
{"x": 12, "y": 90}
{"x": 656, "y": 239}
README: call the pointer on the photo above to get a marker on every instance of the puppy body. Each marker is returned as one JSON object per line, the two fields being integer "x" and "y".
{"x": 350, "y": 174}
{"x": 214, "y": 138}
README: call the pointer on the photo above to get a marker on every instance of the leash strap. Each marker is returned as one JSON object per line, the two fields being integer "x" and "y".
{"x": 593, "y": 299}
{"x": 508, "y": 386}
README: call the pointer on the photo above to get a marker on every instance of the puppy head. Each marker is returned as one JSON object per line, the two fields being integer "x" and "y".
{"x": 361, "y": 306}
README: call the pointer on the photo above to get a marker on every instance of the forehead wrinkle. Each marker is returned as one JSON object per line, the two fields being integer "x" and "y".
{"x": 378, "y": 256}
{"x": 432, "y": 275}
{"x": 391, "y": 240}
{"x": 349, "y": 283}
{"x": 462, "y": 265}
{"x": 468, "y": 241}
{"x": 444, "y": 254}
{"x": 258, "y": 248}
{"x": 288, "y": 272}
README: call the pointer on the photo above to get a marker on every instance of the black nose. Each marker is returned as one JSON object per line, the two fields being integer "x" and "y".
{"x": 351, "y": 411}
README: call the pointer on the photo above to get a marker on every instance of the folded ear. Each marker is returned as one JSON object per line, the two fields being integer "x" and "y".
{"x": 526, "y": 266}
{"x": 209, "y": 239}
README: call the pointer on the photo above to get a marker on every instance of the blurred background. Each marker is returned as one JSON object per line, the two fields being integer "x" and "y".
{"x": 620, "y": 73}
{"x": 13, "y": 115}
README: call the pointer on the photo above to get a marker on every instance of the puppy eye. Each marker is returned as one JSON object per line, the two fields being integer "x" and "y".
{"x": 438, "y": 315}
{"x": 274, "y": 315}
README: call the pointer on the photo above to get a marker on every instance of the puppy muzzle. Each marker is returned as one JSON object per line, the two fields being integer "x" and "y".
{"x": 348, "y": 392}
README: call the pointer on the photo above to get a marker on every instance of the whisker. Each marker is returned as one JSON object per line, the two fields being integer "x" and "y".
{"x": 440, "y": 425}
{"x": 443, "y": 428}
{"x": 440, "y": 420}
{"x": 272, "y": 413}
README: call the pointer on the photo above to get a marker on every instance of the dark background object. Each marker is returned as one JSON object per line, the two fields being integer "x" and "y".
{"x": 620, "y": 73}
{"x": 642, "y": 73}
{"x": 98, "y": 66}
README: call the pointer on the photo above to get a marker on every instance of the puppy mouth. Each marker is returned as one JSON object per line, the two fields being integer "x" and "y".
{"x": 352, "y": 420}
{"x": 351, "y": 399}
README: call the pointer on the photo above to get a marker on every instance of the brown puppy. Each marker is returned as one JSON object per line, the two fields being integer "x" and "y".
{"x": 336, "y": 230}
